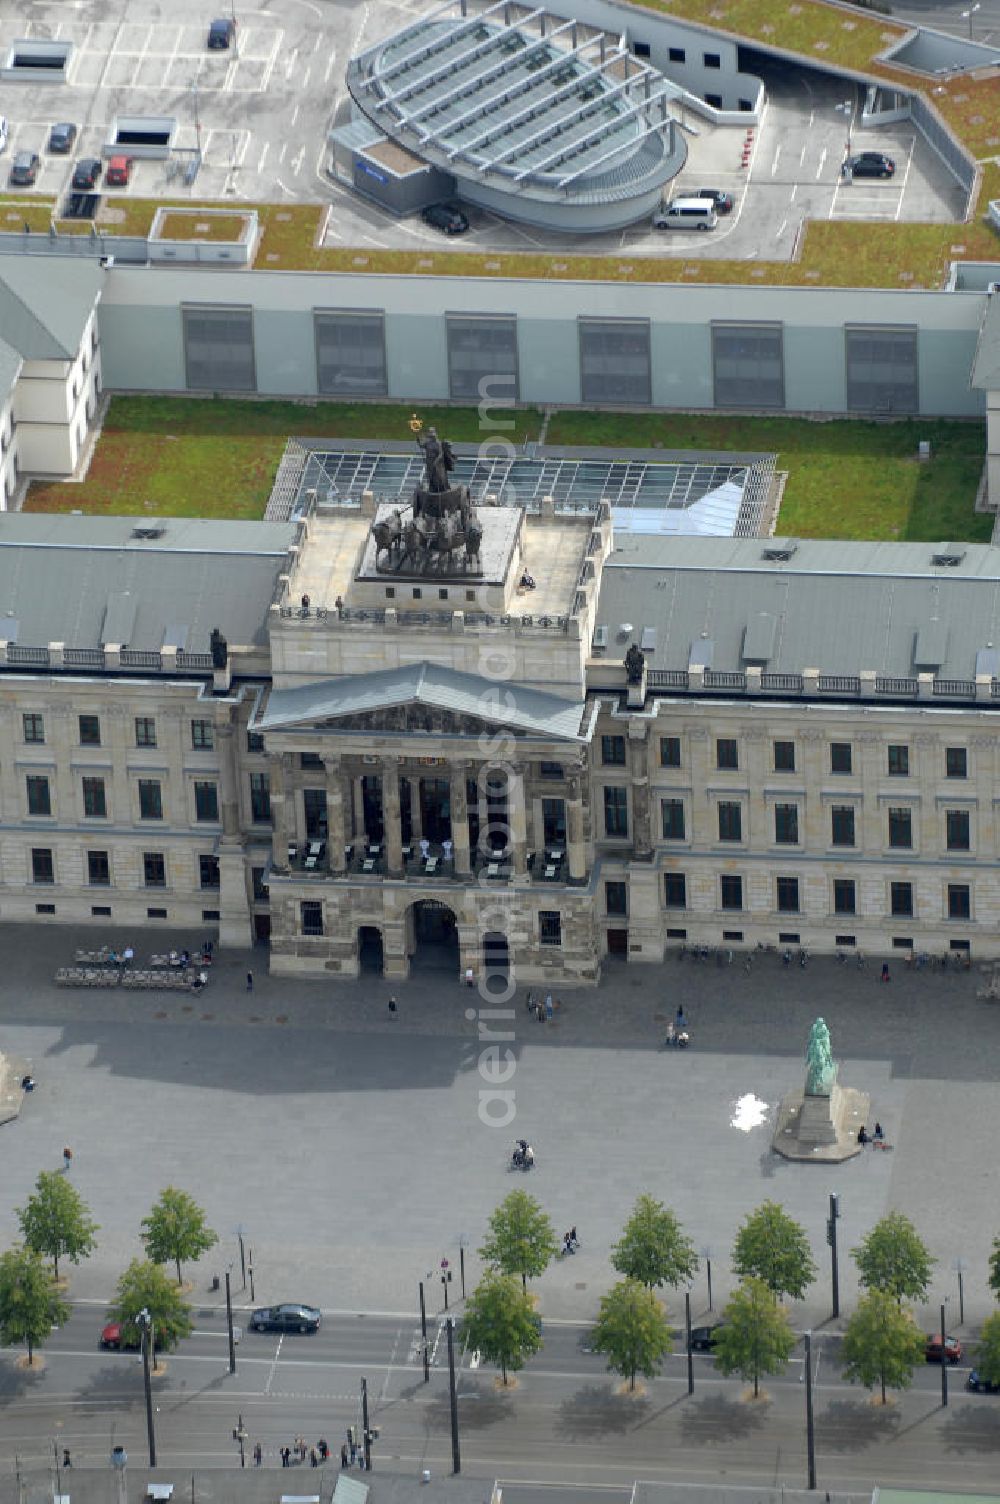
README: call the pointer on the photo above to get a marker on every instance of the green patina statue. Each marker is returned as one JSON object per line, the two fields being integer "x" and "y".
{"x": 821, "y": 1070}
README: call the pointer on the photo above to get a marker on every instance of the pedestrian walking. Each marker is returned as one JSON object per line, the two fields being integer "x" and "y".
{"x": 343, "y": 1455}
{"x": 286, "y": 1453}
{"x": 354, "y": 1451}
{"x": 392, "y": 1007}
{"x": 300, "y": 1447}
{"x": 549, "y": 1007}
{"x": 470, "y": 977}
{"x": 258, "y": 1455}
{"x": 885, "y": 972}
{"x": 249, "y": 981}
{"x": 128, "y": 956}
{"x": 314, "y": 1458}
{"x": 540, "y": 1011}
{"x": 67, "y": 1157}
{"x": 680, "y": 1022}
{"x": 529, "y": 1002}
{"x": 67, "y": 1460}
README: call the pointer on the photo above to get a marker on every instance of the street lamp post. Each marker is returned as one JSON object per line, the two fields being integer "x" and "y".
{"x": 831, "y": 1238}
{"x": 944, "y": 1356}
{"x": 241, "y": 1435}
{"x": 810, "y": 1428}
{"x": 456, "y": 1456}
{"x": 967, "y": 15}
{"x": 243, "y": 1257}
{"x": 959, "y": 1265}
{"x": 706, "y": 1254}
{"x": 423, "y": 1333}
{"x": 145, "y": 1323}
{"x": 229, "y": 1324}
{"x": 687, "y": 1334}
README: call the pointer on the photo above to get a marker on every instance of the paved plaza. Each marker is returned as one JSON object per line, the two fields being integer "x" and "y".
{"x": 350, "y": 1147}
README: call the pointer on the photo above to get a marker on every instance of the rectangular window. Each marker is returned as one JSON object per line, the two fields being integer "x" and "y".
{"x": 712, "y": 59}
{"x": 788, "y": 895}
{"x": 784, "y": 757}
{"x": 255, "y": 741}
{"x": 642, "y": 49}
{"x": 208, "y": 871}
{"x": 550, "y": 927}
{"x": 730, "y": 821}
{"x": 677, "y": 54}
{"x": 615, "y": 811}
{"x": 786, "y": 824}
{"x": 675, "y": 890}
{"x": 731, "y": 892}
{"x": 34, "y": 727}
{"x": 156, "y": 913}
{"x": 350, "y": 353}
{"x": 670, "y": 751}
{"x": 615, "y": 361}
{"x": 100, "y": 911}
{"x": 840, "y": 757}
{"x": 957, "y": 829}
{"x": 150, "y": 799}
{"x": 98, "y": 869}
{"x": 310, "y": 760}
{"x": 958, "y": 901}
{"x": 843, "y": 895}
{"x": 218, "y": 349}
{"x": 842, "y": 825}
{"x": 672, "y": 813}
{"x": 260, "y": 798}
{"x": 881, "y": 370}
{"x": 615, "y": 898}
{"x": 613, "y": 751}
{"x": 90, "y": 731}
{"x": 202, "y": 736}
{"x": 311, "y": 918}
{"x": 899, "y": 761}
{"x": 206, "y": 801}
{"x": 748, "y": 365}
{"x": 550, "y": 769}
{"x": 482, "y": 357}
{"x": 42, "y": 869}
{"x": 154, "y": 869}
{"x": 727, "y": 753}
{"x": 901, "y": 828}
{"x": 39, "y": 798}
{"x": 901, "y": 899}
{"x": 956, "y": 762}
{"x": 145, "y": 731}
{"x": 95, "y": 803}
{"x": 261, "y": 893}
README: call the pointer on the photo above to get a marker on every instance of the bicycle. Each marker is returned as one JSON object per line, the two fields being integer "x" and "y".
{"x": 860, "y": 960}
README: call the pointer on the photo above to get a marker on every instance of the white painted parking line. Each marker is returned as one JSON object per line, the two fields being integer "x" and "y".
{"x": 281, "y": 154}
{"x": 822, "y": 164}
{"x": 304, "y": 81}
{"x": 269, "y": 68}
{"x": 295, "y": 115}
{"x": 297, "y": 160}
{"x": 263, "y": 157}
{"x": 290, "y": 65}
{"x": 776, "y": 159}
{"x": 330, "y": 65}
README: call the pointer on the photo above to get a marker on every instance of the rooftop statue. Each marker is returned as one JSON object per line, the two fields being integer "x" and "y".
{"x": 821, "y": 1069}
{"x": 442, "y": 520}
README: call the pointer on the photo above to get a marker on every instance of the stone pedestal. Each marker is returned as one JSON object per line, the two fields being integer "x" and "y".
{"x": 823, "y": 1128}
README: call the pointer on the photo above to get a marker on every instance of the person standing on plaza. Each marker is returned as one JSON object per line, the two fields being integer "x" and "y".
{"x": 392, "y": 1007}
{"x": 258, "y": 1455}
{"x": 549, "y": 1007}
{"x": 885, "y": 972}
{"x": 343, "y": 1455}
{"x": 249, "y": 981}
{"x": 67, "y": 1158}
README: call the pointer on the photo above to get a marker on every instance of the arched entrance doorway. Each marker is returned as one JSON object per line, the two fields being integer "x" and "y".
{"x": 371, "y": 955}
{"x": 433, "y": 937}
{"x": 495, "y": 980}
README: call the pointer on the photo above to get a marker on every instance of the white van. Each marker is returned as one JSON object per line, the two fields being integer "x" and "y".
{"x": 686, "y": 214}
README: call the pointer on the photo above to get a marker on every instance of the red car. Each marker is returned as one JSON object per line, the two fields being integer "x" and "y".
{"x": 952, "y": 1348}
{"x": 119, "y": 172}
{"x": 111, "y": 1337}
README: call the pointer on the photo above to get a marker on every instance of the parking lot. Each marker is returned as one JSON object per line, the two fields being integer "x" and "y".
{"x": 260, "y": 112}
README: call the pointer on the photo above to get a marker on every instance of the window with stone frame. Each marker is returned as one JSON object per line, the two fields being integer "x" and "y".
{"x": 615, "y": 810}
{"x": 672, "y": 817}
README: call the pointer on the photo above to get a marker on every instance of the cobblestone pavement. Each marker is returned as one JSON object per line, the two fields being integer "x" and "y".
{"x": 349, "y": 1145}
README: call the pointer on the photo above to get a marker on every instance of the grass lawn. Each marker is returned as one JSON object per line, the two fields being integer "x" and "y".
{"x": 187, "y": 457}
{"x": 202, "y": 224}
{"x": 845, "y": 479}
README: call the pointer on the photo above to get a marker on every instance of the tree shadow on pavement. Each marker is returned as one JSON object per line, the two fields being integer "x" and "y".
{"x": 17, "y": 1383}
{"x": 480, "y": 1406}
{"x": 851, "y": 1425}
{"x": 598, "y": 1410}
{"x": 717, "y": 1419}
{"x": 971, "y": 1427}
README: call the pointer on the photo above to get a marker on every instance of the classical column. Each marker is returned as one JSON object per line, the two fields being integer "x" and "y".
{"x": 335, "y": 810}
{"x": 416, "y": 810}
{"x": 391, "y": 818}
{"x": 234, "y": 899}
{"x": 280, "y": 809}
{"x": 576, "y": 848}
{"x": 460, "y": 820}
{"x": 229, "y": 789}
{"x": 517, "y": 820}
{"x": 641, "y": 838}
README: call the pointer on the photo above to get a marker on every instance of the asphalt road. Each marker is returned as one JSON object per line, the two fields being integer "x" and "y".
{"x": 566, "y": 1419}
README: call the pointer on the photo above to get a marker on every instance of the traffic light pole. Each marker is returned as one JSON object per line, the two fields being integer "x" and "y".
{"x": 366, "y": 1433}
{"x": 810, "y": 1428}
{"x": 831, "y": 1238}
{"x": 456, "y": 1455}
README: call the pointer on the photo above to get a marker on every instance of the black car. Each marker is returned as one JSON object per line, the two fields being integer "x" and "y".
{"x": 871, "y": 164}
{"x": 220, "y": 33}
{"x": 87, "y": 173}
{"x": 979, "y": 1385}
{"x": 703, "y": 1337}
{"x": 62, "y": 137}
{"x": 444, "y": 217}
{"x": 723, "y": 201}
{"x": 24, "y": 168}
{"x": 286, "y": 1318}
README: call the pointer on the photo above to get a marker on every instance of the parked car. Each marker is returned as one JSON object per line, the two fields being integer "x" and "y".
{"x": 87, "y": 173}
{"x": 24, "y": 168}
{"x": 119, "y": 172}
{"x": 871, "y": 164}
{"x": 221, "y": 33}
{"x": 62, "y": 137}
{"x": 686, "y": 214}
{"x": 4, "y": 132}
{"x": 953, "y": 1349}
{"x": 703, "y": 1337}
{"x": 111, "y": 1338}
{"x": 723, "y": 201}
{"x": 286, "y": 1318}
{"x": 446, "y": 218}
{"x": 979, "y": 1385}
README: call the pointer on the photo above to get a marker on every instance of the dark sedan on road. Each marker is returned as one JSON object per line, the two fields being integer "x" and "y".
{"x": 722, "y": 200}
{"x": 24, "y": 168}
{"x": 286, "y": 1318}
{"x": 871, "y": 164}
{"x": 87, "y": 172}
{"x": 62, "y": 137}
{"x": 703, "y": 1337}
{"x": 980, "y": 1385}
{"x": 444, "y": 217}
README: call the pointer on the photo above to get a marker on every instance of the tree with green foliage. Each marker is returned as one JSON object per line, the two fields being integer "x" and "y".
{"x": 882, "y": 1343}
{"x": 653, "y": 1249}
{"x": 176, "y": 1229}
{"x": 521, "y": 1238}
{"x": 988, "y": 1349}
{"x": 30, "y": 1305}
{"x": 894, "y": 1258}
{"x": 145, "y": 1286}
{"x": 771, "y": 1247}
{"x": 500, "y": 1322}
{"x": 56, "y": 1220}
{"x": 632, "y": 1331}
{"x": 755, "y": 1336}
{"x": 994, "y": 1279}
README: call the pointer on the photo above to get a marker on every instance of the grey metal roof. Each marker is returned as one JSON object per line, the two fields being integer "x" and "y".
{"x": 430, "y": 684}
{"x": 10, "y": 368}
{"x": 172, "y": 534}
{"x": 86, "y": 594}
{"x": 838, "y": 607}
{"x": 45, "y": 302}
